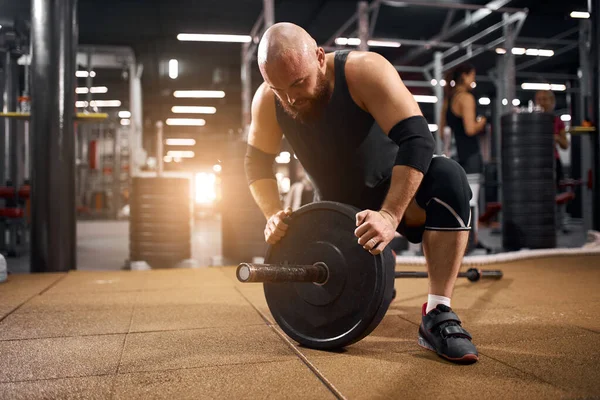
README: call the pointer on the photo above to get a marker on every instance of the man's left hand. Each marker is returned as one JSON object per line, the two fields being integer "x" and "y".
{"x": 375, "y": 230}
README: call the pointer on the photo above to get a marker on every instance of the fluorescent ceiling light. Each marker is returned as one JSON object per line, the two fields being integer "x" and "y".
{"x": 124, "y": 114}
{"x": 173, "y": 69}
{"x": 106, "y": 103}
{"x": 98, "y": 103}
{"x": 201, "y": 37}
{"x": 217, "y": 168}
{"x": 181, "y": 154}
{"x": 180, "y": 142}
{"x": 539, "y": 52}
{"x": 565, "y": 117}
{"x": 433, "y": 127}
{"x": 425, "y": 99}
{"x": 485, "y": 101}
{"x": 383, "y": 43}
{"x": 545, "y": 53}
{"x": 199, "y": 94}
{"x": 193, "y": 110}
{"x": 125, "y": 122}
{"x": 84, "y": 74}
{"x": 580, "y": 14}
{"x": 500, "y": 50}
{"x": 519, "y": 51}
{"x": 185, "y": 122}
{"x": 342, "y": 41}
{"x": 543, "y": 86}
{"x": 433, "y": 82}
{"x": 516, "y": 102}
{"x": 504, "y": 102}
{"x": 97, "y": 89}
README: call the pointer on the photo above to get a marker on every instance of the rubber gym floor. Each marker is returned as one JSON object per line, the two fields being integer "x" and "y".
{"x": 198, "y": 333}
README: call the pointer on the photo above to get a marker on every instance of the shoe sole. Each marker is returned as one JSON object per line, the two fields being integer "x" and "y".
{"x": 468, "y": 359}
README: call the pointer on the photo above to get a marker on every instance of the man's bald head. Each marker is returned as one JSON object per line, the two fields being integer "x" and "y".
{"x": 285, "y": 44}
{"x": 295, "y": 68}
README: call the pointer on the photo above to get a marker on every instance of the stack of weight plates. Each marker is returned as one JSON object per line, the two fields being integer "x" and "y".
{"x": 160, "y": 221}
{"x": 528, "y": 184}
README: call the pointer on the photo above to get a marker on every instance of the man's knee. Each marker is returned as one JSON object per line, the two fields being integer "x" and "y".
{"x": 445, "y": 195}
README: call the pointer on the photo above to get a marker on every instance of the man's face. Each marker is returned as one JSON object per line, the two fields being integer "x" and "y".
{"x": 545, "y": 100}
{"x": 300, "y": 85}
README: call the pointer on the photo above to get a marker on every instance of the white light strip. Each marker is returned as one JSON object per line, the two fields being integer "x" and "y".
{"x": 193, "y": 110}
{"x": 519, "y": 51}
{"x": 180, "y": 142}
{"x": 84, "y": 74}
{"x": 565, "y": 117}
{"x": 543, "y": 86}
{"x": 125, "y": 122}
{"x": 99, "y": 103}
{"x": 124, "y": 114}
{"x": 383, "y": 43}
{"x": 433, "y": 127}
{"x": 181, "y": 154}
{"x": 97, "y": 89}
{"x": 500, "y": 50}
{"x": 580, "y": 14}
{"x": 201, "y": 37}
{"x": 185, "y": 122}
{"x": 507, "y": 257}
{"x": 425, "y": 99}
{"x": 485, "y": 101}
{"x": 342, "y": 41}
{"x": 199, "y": 94}
{"x": 173, "y": 69}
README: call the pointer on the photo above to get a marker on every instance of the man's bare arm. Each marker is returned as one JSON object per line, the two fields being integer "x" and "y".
{"x": 265, "y": 135}
{"x": 378, "y": 88}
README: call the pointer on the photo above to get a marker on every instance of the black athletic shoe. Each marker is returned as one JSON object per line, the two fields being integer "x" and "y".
{"x": 441, "y": 331}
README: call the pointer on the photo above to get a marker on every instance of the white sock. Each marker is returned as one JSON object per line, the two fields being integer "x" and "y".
{"x": 433, "y": 300}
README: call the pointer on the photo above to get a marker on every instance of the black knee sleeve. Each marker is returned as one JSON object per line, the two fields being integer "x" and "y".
{"x": 445, "y": 194}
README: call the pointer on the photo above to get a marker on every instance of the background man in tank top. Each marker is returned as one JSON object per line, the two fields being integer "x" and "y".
{"x": 362, "y": 138}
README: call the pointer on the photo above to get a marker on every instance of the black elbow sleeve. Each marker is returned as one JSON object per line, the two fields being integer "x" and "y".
{"x": 415, "y": 141}
{"x": 258, "y": 164}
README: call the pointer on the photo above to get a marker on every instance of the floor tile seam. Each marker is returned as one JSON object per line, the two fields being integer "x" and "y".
{"x": 313, "y": 368}
{"x": 130, "y": 332}
{"x": 32, "y": 296}
{"x": 218, "y": 365}
{"x": 298, "y": 354}
{"x": 58, "y": 378}
{"x": 112, "y": 388}
{"x": 530, "y": 374}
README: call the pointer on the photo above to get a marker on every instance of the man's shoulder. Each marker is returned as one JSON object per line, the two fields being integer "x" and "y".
{"x": 364, "y": 62}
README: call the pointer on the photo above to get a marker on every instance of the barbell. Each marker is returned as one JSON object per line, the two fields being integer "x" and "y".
{"x": 322, "y": 288}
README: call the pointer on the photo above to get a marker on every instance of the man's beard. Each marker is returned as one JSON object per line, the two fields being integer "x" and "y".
{"x": 316, "y": 104}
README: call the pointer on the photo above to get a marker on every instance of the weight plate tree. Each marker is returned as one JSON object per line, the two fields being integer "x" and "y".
{"x": 528, "y": 187}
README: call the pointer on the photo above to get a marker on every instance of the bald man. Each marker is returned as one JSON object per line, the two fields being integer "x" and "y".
{"x": 362, "y": 138}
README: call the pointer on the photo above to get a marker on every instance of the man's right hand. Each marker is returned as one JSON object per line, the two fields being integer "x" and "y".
{"x": 276, "y": 227}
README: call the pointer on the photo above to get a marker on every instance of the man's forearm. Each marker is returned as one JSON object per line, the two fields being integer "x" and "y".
{"x": 405, "y": 183}
{"x": 266, "y": 196}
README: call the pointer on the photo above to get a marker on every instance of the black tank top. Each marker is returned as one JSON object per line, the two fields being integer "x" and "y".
{"x": 346, "y": 154}
{"x": 466, "y": 146}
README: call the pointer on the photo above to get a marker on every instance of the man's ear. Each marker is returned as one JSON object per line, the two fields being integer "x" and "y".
{"x": 321, "y": 57}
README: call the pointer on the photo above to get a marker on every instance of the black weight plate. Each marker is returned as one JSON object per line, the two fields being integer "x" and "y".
{"x": 540, "y": 174}
{"x": 161, "y": 236}
{"x": 528, "y": 139}
{"x": 508, "y": 154}
{"x": 160, "y": 218}
{"x": 357, "y": 294}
